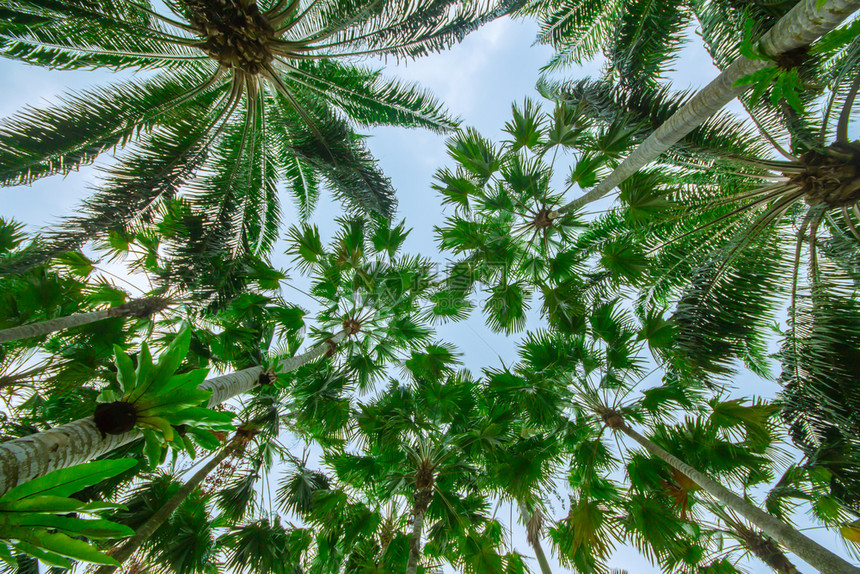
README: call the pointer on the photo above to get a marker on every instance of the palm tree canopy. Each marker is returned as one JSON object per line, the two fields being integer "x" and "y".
{"x": 640, "y": 40}
{"x": 243, "y": 96}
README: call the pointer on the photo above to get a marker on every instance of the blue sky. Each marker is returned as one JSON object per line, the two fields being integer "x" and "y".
{"x": 478, "y": 80}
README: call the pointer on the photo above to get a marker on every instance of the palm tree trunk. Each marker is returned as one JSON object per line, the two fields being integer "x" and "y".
{"x": 808, "y": 550}
{"x": 541, "y": 557}
{"x": 155, "y": 521}
{"x": 419, "y": 509}
{"x": 415, "y": 541}
{"x": 241, "y": 382}
{"x": 26, "y": 458}
{"x": 423, "y": 495}
{"x": 765, "y": 549}
{"x": 801, "y": 26}
{"x": 134, "y": 308}
{"x": 534, "y": 527}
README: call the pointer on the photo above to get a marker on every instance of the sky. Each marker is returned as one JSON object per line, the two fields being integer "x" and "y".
{"x": 478, "y": 80}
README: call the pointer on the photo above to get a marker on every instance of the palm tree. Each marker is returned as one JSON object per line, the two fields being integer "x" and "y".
{"x": 819, "y": 398}
{"x": 500, "y": 229}
{"x": 368, "y": 289}
{"x": 736, "y": 442}
{"x": 235, "y": 446}
{"x": 139, "y": 308}
{"x": 811, "y": 552}
{"x": 160, "y": 510}
{"x": 763, "y": 547}
{"x": 523, "y": 471}
{"x": 25, "y": 458}
{"x": 615, "y": 418}
{"x": 155, "y": 521}
{"x": 415, "y": 448}
{"x": 529, "y": 401}
{"x": 265, "y": 545}
{"x": 804, "y": 24}
{"x": 534, "y": 531}
{"x": 40, "y": 293}
{"x": 350, "y": 533}
{"x": 185, "y": 543}
{"x": 245, "y": 96}
{"x": 721, "y": 25}
{"x": 55, "y": 379}
{"x": 63, "y": 384}
{"x": 602, "y": 370}
{"x": 730, "y": 253}
{"x": 740, "y": 221}
{"x": 49, "y": 293}
{"x": 639, "y": 40}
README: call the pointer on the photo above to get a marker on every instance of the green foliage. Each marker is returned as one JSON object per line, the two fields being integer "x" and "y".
{"x": 35, "y": 520}
{"x": 377, "y": 296}
{"x": 694, "y": 263}
{"x": 837, "y": 39}
{"x": 504, "y": 228}
{"x": 195, "y": 129}
{"x": 161, "y": 400}
{"x": 639, "y": 40}
{"x": 784, "y": 84}
{"x": 819, "y": 367}
{"x": 265, "y": 546}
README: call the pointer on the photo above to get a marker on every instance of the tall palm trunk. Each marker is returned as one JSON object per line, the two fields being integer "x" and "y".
{"x": 765, "y": 549}
{"x": 26, "y": 458}
{"x": 155, "y": 521}
{"x": 808, "y": 550}
{"x": 135, "y": 308}
{"x": 423, "y": 495}
{"x": 415, "y": 541}
{"x": 757, "y": 543}
{"x": 534, "y": 526}
{"x": 541, "y": 557}
{"x": 801, "y": 26}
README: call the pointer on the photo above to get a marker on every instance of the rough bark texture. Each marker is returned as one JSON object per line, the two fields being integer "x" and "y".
{"x": 800, "y": 27}
{"x": 51, "y": 325}
{"x": 808, "y": 550}
{"x": 424, "y": 484}
{"x": 231, "y": 385}
{"x": 765, "y": 549}
{"x": 288, "y": 364}
{"x": 155, "y": 521}
{"x": 134, "y": 308}
{"x": 243, "y": 381}
{"x": 415, "y": 542}
{"x": 26, "y": 458}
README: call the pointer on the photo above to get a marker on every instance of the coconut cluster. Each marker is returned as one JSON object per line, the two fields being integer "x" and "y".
{"x": 235, "y": 33}
{"x": 831, "y": 178}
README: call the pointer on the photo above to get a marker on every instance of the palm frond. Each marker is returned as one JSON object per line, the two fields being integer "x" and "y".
{"x": 38, "y": 142}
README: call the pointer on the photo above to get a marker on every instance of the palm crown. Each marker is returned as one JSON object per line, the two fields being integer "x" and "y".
{"x": 244, "y": 96}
